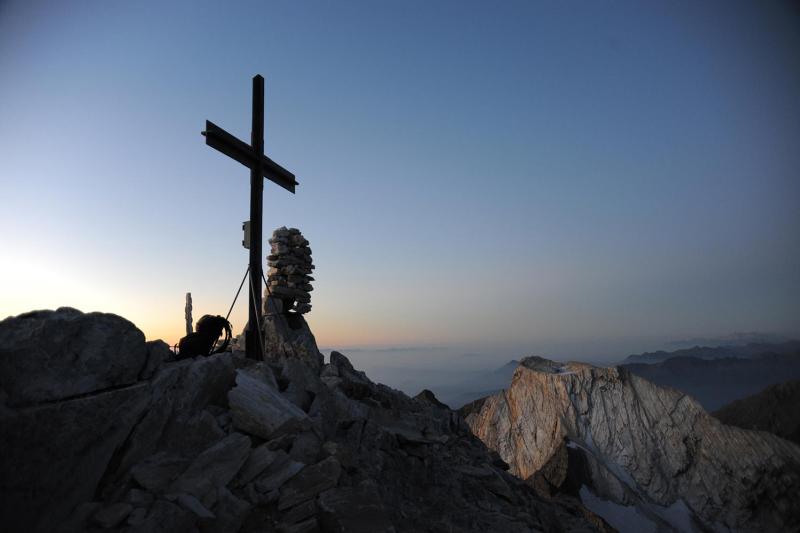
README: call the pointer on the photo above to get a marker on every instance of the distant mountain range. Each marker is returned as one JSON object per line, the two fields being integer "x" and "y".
{"x": 739, "y": 351}
{"x": 734, "y": 339}
{"x": 716, "y": 382}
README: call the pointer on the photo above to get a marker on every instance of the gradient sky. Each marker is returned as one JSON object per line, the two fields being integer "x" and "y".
{"x": 528, "y": 174}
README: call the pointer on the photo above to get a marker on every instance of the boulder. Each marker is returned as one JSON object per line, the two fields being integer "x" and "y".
{"x": 354, "y": 510}
{"x": 260, "y": 410}
{"x": 156, "y": 473}
{"x": 288, "y": 336}
{"x": 158, "y": 353}
{"x": 278, "y": 473}
{"x": 191, "y": 503}
{"x": 215, "y": 467}
{"x": 258, "y": 461}
{"x": 230, "y": 512}
{"x": 176, "y": 420}
{"x": 309, "y": 482}
{"x": 55, "y": 455}
{"x": 55, "y": 355}
{"x": 166, "y": 517}
{"x": 303, "y": 382}
{"x": 112, "y": 515}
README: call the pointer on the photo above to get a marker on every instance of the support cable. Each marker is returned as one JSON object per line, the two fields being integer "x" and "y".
{"x": 237, "y": 292}
{"x": 258, "y": 322}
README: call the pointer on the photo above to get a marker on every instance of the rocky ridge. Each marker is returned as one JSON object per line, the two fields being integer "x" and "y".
{"x": 103, "y": 431}
{"x": 604, "y": 432}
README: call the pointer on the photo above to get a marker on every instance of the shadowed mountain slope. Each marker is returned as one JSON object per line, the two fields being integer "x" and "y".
{"x": 775, "y": 409}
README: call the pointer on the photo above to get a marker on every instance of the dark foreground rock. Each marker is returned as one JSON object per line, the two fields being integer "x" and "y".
{"x": 223, "y": 443}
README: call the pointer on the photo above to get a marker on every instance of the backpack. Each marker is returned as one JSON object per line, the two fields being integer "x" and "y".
{"x": 201, "y": 342}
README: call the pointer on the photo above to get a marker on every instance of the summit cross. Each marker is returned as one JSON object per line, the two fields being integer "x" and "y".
{"x": 252, "y": 156}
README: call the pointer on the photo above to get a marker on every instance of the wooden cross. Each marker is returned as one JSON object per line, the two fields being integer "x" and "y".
{"x": 252, "y": 156}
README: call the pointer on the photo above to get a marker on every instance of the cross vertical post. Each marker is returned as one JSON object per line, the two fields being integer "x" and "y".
{"x": 252, "y": 156}
{"x": 252, "y": 340}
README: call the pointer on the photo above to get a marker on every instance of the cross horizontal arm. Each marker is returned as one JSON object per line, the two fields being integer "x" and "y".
{"x": 242, "y": 152}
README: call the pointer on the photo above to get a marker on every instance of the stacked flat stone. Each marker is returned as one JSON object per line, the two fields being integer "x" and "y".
{"x": 290, "y": 267}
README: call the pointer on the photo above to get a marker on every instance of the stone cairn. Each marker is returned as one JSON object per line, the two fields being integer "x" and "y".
{"x": 289, "y": 276}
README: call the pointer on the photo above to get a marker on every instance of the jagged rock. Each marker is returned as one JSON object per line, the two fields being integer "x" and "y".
{"x": 137, "y": 517}
{"x": 552, "y": 475}
{"x": 158, "y": 353}
{"x": 230, "y": 513}
{"x": 303, "y": 382}
{"x": 165, "y": 517}
{"x": 309, "y": 482}
{"x": 113, "y": 515}
{"x": 430, "y": 398}
{"x": 306, "y": 447}
{"x": 54, "y": 355}
{"x": 637, "y": 438}
{"x": 288, "y": 336}
{"x": 260, "y": 410}
{"x": 157, "y": 472}
{"x": 280, "y": 471}
{"x": 309, "y": 526}
{"x": 190, "y": 503}
{"x": 354, "y": 510}
{"x": 300, "y": 512}
{"x": 139, "y": 498}
{"x": 258, "y": 461}
{"x": 175, "y": 422}
{"x": 215, "y": 467}
{"x": 341, "y": 363}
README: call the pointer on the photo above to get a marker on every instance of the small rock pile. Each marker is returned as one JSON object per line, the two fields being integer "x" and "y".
{"x": 289, "y": 277}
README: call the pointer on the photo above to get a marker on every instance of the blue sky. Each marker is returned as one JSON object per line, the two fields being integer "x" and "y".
{"x": 530, "y": 174}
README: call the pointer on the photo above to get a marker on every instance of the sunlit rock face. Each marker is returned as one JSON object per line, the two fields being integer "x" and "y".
{"x": 640, "y": 447}
{"x": 142, "y": 443}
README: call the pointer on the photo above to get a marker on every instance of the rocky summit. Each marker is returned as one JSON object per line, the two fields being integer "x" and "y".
{"x": 100, "y": 430}
{"x": 645, "y": 458}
